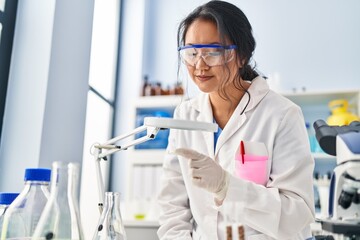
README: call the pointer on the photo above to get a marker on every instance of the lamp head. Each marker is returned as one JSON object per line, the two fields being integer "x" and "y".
{"x": 165, "y": 123}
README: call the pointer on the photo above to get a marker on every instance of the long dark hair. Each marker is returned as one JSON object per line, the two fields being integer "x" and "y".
{"x": 233, "y": 26}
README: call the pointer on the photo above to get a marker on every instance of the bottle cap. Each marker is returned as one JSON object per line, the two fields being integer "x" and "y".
{"x": 7, "y": 198}
{"x": 37, "y": 174}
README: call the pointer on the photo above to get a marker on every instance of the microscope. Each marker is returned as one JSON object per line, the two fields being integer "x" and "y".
{"x": 344, "y": 193}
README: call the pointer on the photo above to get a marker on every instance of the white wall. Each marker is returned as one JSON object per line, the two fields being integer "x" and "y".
{"x": 312, "y": 44}
{"x": 304, "y": 43}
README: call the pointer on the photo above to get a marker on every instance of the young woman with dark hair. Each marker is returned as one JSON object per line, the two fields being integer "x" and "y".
{"x": 259, "y": 159}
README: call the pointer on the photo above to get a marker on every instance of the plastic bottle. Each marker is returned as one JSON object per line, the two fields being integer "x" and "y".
{"x": 60, "y": 218}
{"x": 24, "y": 212}
{"x": 311, "y": 136}
{"x": 340, "y": 114}
{"x": 5, "y": 200}
{"x": 110, "y": 225}
{"x": 323, "y": 186}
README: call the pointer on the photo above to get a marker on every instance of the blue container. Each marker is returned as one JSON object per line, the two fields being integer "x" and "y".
{"x": 161, "y": 139}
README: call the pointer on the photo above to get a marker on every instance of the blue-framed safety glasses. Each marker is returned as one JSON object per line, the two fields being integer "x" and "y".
{"x": 212, "y": 54}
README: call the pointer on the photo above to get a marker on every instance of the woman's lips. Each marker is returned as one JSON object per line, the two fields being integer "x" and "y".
{"x": 203, "y": 78}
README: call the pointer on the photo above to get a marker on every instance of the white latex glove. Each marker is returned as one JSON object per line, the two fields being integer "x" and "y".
{"x": 206, "y": 173}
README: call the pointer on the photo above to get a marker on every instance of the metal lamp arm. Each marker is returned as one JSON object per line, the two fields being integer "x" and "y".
{"x": 153, "y": 125}
{"x": 111, "y": 149}
{"x": 151, "y": 133}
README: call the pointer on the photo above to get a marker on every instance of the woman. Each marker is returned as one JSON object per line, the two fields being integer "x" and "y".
{"x": 201, "y": 173}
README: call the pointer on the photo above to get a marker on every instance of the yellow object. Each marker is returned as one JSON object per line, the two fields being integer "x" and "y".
{"x": 339, "y": 113}
{"x": 139, "y": 216}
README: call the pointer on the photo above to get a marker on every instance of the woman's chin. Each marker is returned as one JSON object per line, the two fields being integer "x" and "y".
{"x": 205, "y": 87}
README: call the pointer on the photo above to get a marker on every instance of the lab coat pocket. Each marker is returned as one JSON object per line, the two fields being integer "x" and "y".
{"x": 251, "y": 162}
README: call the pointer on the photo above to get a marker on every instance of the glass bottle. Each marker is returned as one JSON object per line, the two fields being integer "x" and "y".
{"x": 60, "y": 218}
{"x": 227, "y": 212}
{"x": 110, "y": 225}
{"x": 145, "y": 85}
{"x": 24, "y": 212}
{"x": 5, "y": 200}
{"x": 237, "y": 227}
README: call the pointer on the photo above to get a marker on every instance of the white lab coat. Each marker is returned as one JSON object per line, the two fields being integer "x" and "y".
{"x": 282, "y": 209}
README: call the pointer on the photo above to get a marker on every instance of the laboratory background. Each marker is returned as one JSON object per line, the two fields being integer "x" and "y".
{"x": 77, "y": 73}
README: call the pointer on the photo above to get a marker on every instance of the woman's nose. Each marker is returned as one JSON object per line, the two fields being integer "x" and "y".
{"x": 201, "y": 64}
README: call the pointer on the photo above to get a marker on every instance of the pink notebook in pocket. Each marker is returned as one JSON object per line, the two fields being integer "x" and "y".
{"x": 251, "y": 162}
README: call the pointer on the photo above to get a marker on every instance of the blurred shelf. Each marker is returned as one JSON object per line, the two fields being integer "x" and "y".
{"x": 141, "y": 223}
{"x": 322, "y": 97}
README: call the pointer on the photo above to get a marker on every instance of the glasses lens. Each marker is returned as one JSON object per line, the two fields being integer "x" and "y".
{"x": 211, "y": 56}
{"x": 214, "y": 56}
{"x": 189, "y": 56}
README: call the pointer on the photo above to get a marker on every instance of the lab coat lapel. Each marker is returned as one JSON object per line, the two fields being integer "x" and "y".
{"x": 202, "y": 105}
{"x": 235, "y": 122}
{"x": 258, "y": 90}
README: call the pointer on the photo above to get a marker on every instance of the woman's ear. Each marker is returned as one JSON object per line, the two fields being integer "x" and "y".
{"x": 240, "y": 62}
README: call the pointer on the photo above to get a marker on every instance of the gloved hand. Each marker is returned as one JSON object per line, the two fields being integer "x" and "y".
{"x": 205, "y": 172}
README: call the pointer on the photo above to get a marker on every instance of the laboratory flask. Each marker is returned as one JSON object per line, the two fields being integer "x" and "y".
{"x": 110, "y": 225}
{"x": 24, "y": 212}
{"x": 60, "y": 218}
{"x": 5, "y": 200}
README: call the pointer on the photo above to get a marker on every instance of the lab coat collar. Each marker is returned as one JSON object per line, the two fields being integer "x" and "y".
{"x": 202, "y": 105}
{"x": 258, "y": 90}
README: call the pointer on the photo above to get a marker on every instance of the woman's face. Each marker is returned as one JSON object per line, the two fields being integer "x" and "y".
{"x": 207, "y": 78}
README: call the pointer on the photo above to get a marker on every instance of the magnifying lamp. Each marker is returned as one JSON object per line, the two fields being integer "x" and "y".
{"x": 152, "y": 125}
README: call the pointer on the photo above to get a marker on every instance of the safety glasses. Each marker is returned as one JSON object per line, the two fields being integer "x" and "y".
{"x": 212, "y": 54}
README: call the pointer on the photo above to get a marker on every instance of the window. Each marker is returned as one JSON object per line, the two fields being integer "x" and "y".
{"x": 100, "y": 105}
{"x": 7, "y": 27}
{"x": 102, "y": 76}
